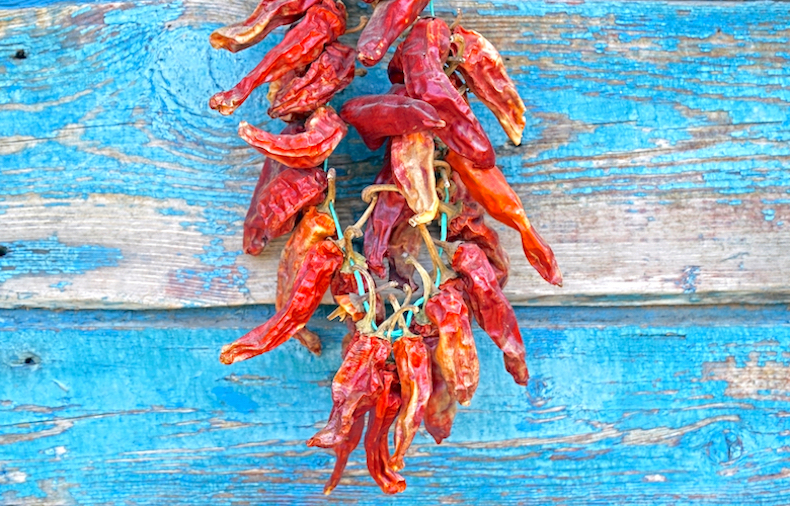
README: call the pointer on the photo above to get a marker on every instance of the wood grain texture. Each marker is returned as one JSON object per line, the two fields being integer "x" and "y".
{"x": 625, "y": 406}
{"x": 653, "y": 162}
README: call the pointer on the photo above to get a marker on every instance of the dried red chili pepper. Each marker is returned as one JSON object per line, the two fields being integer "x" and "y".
{"x": 343, "y": 451}
{"x": 424, "y": 51}
{"x": 267, "y": 16}
{"x": 412, "y": 170}
{"x": 311, "y": 282}
{"x": 314, "y": 227}
{"x": 389, "y": 207}
{"x": 404, "y": 241}
{"x": 490, "y": 189}
{"x": 485, "y": 74}
{"x": 491, "y": 308}
{"x": 274, "y": 208}
{"x": 355, "y": 389}
{"x": 441, "y": 408}
{"x": 323, "y": 23}
{"x": 323, "y": 132}
{"x": 330, "y": 73}
{"x": 390, "y": 19}
{"x": 377, "y": 117}
{"x": 456, "y": 353}
{"x": 414, "y": 373}
{"x": 469, "y": 225}
{"x": 376, "y": 444}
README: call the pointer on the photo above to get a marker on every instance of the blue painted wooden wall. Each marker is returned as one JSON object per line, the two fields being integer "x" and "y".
{"x": 654, "y": 162}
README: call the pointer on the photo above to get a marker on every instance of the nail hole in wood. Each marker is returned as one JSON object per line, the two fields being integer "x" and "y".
{"x": 3, "y": 251}
{"x": 20, "y": 54}
{"x": 29, "y": 359}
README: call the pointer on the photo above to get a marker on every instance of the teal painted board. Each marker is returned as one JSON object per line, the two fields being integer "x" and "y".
{"x": 653, "y": 162}
{"x": 625, "y": 406}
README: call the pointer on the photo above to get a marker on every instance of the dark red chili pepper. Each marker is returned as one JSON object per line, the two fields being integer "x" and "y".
{"x": 389, "y": 208}
{"x": 470, "y": 226}
{"x": 267, "y": 16}
{"x": 323, "y": 23}
{"x": 274, "y": 208}
{"x": 485, "y": 74}
{"x": 491, "y": 308}
{"x": 395, "y": 66}
{"x": 311, "y": 282}
{"x": 355, "y": 389}
{"x": 390, "y": 19}
{"x": 376, "y": 444}
{"x": 424, "y": 51}
{"x": 405, "y": 240}
{"x": 343, "y": 451}
{"x": 456, "y": 353}
{"x": 329, "y": 74}
{"x": 314, "y": 227}
{"x": 490, "y": 189}
{"x": 377, "y": 117}
{"x": 414, "y": 373}
{"x": 323, "y": 132}
{"x": 412, "y": 170}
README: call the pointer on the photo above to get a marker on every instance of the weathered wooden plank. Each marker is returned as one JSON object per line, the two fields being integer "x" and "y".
{"x": 625, "y": 406}
{"x": 653, "y": 160}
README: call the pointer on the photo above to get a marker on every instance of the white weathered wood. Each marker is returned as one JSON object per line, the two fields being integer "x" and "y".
{"x": 652, "y": 162}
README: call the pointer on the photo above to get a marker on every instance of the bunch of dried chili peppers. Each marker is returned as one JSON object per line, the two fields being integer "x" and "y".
{"x": 412, "y": 367}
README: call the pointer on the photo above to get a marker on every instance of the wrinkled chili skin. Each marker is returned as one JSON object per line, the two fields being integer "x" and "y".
{"x": 376, "y": 445}
{"x": 414, "y": 372}
{"x": 323, "y": 131}
{"x": 313, "y": 228}
{"x": 322, "y": 24}
{"x": 485, "y": 74}
{"x": 491, "y": 308}
{"x": 269, "y": 15}
{"x": 405, "y": 240}
{"x": 390, "y": 19}
{"x": 456, "y": 353}
{"x": 273, "y": 210}
{"x": 389, "y": 208}
{"x": 355, "y": 389}
{"x": 377, "y": 117}
{"x": 329, "y": 74}
{"x": 441, "y": 408}
{"x": 411, "y": 157}
{"x": 424, "y": 51}
{"x": 490, "y": 189}
{"x": 470, "y": 226}
{"x": 311, "y": 282}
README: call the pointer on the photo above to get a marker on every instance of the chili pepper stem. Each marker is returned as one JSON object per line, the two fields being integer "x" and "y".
{"x": 401, "y": 321}
{"x": 441, "y": 270}
{"x": 427, "y": 286}
{"x": 331, "y": 192}
{"x": 369, "y": 191}
{"x": 457, "y": 20}
{"x": 363, "y": 20}
{"x": 387, "y": 324}
{"x": 365, "y": 325}
{"x": 357, "y": 227}
{"x": 459, "y": 55}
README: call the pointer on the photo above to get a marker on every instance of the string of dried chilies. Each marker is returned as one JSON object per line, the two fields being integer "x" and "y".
{"x": 412, "y": 367}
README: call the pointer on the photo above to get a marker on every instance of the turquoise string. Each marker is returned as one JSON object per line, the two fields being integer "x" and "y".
{"x": 430, "y": 6}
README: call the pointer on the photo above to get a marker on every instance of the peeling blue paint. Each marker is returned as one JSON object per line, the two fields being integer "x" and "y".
{"x": 50, "y": 256}
{"x": 769, "y": 214}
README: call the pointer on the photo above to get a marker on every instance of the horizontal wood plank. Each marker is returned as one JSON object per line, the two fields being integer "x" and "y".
{"x": 625, "y": 406}
{"x": 653, "y": 162}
